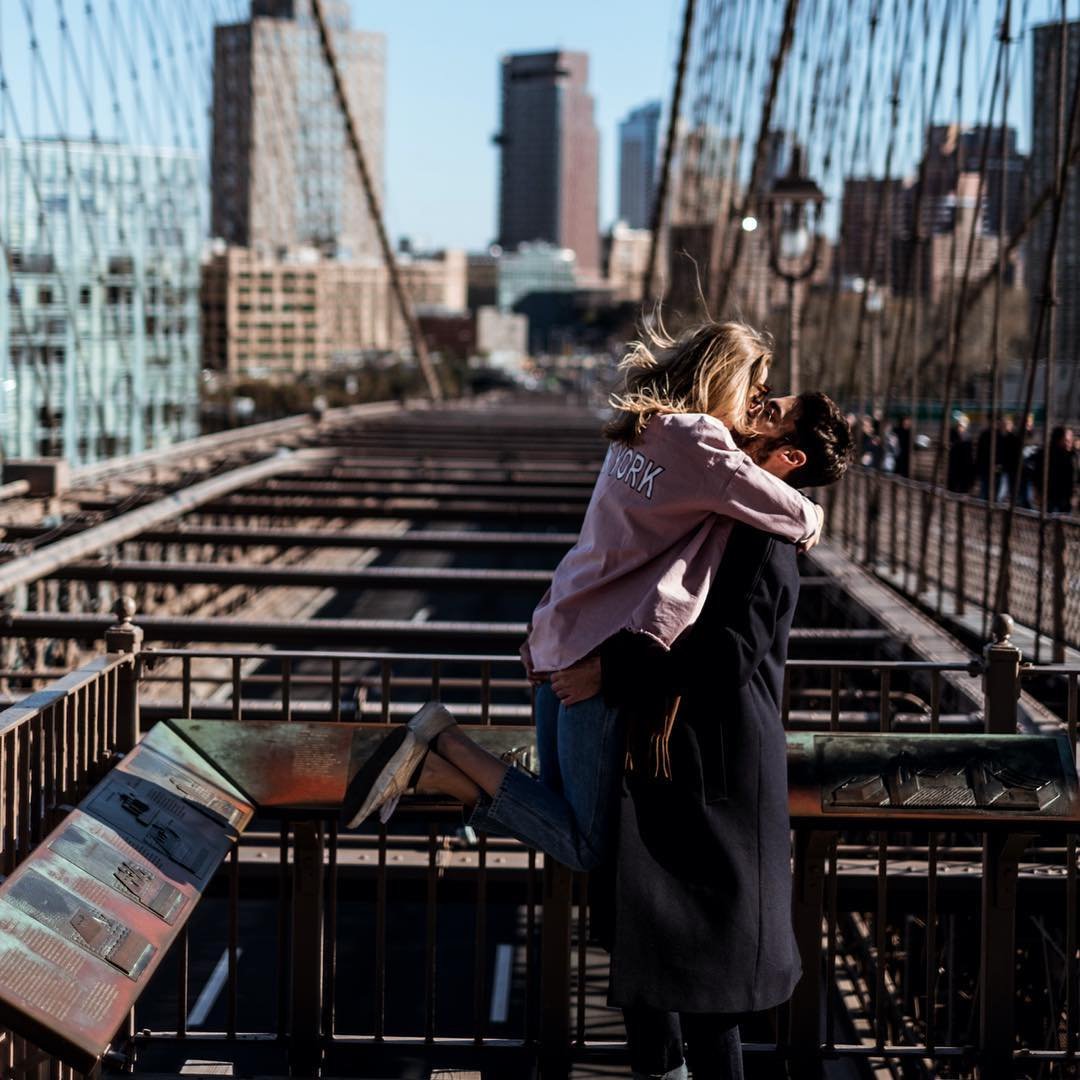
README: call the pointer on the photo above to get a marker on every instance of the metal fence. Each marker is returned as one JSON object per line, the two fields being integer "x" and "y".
{"x": 944, "y": 549}
{"x": 889, "y": 924}
{"x": 54, "y": 747}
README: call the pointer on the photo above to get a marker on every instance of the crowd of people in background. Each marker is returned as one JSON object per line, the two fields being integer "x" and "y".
{"x": 986, "y": 466}
{"x": 990, "y": 465}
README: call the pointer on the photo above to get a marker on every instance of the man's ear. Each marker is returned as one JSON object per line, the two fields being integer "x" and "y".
{"x": 794, "y": 457}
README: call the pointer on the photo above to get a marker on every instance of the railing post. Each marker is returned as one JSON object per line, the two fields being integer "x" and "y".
{"x": 1057, "y": 602}
{"x": 555, "y": 971}
{"x": 961, "y": 567}
{"x": 997, "y": 947}
{"x": 305, "y": 1028}
{"x": 870, "y": 521}
{"x": 125, "y": 637}
{"x": 1001, "y": 678}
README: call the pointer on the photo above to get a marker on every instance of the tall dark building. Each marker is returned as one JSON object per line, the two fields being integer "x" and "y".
{"x": 550, "y": 155}
{"x": 639, "y": 140}
{"x": 1043, "y": 151}
{"x": 281, "y": 176}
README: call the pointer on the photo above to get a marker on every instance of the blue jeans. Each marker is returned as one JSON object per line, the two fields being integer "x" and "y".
{"x": 568, "y": 813}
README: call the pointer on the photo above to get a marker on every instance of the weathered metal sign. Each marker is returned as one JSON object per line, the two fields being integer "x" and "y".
{"x": 991, "y": 780}
{"x": 86, "y": 919}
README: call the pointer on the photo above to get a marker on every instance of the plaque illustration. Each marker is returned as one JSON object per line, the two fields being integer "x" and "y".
{"x": 78, "y": 922}
{"x": 136, "y": 880}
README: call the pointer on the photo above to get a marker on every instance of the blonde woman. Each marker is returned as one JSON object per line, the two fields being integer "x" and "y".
{"x": 672, "y": 486}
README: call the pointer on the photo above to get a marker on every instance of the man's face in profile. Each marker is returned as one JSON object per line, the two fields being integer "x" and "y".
{"x": 771, "y": 448}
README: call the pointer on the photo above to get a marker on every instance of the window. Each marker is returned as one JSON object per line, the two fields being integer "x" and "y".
{"x": 44, "y": 295}
{"x": 85, "y": 295}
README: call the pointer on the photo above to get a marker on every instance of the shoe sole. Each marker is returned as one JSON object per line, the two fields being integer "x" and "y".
{"x": 370, "y": 783}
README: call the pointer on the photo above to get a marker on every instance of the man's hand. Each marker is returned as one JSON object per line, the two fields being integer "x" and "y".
{"x": 577, "y": 683}
{"x": 806, "y": 545}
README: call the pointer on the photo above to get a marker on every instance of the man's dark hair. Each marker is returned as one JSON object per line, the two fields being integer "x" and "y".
{"x": 822, "y": 433}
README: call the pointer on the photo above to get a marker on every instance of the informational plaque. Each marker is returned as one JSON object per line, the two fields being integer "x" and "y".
{"x": 78, "y": 922}
{"x": 995, "y": 780}
{"x": 186, "y": 785}
{"x": 62, "y": 997}
{"x": 129, "y": 875}
{"x": 86, "y": 919}
{"x": 302, "y": 766}
{"x": 153, "y": 819}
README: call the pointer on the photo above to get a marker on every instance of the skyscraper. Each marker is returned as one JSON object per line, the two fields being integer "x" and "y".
{"x": 1045, "y": 71}
{"x": 280, "y": 173}
{"x": 99, "y": 328}
{"x": 550, "y": 154}
{"x": 639, "y": 137}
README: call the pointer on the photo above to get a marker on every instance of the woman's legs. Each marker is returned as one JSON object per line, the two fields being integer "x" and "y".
{"x": 568, "y": 812}
{"x": 439, "y": 777}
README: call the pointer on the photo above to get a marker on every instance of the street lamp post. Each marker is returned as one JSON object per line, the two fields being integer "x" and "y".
{"x": 794, "y": 208}
{"x": 875, "y": 305}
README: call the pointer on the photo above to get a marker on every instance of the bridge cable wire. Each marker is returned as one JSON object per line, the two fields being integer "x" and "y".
{"x": 1064, "y": 160}
{"x": 660, "y": 200}
{"x": 787, "y": 34}
{"x": 956, "y": 296}
{"x": 404, "y": 302}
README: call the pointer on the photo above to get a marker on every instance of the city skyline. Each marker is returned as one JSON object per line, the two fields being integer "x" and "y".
{"x": 549, "y": 155}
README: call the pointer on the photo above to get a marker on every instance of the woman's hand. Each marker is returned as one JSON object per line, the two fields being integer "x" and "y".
{"x": 577, "y": 683}
{"x": 534, "y": 677}
{"x": 806, "y": 545}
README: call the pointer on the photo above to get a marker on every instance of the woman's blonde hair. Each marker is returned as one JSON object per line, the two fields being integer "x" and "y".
{"x": 716, "y": 367}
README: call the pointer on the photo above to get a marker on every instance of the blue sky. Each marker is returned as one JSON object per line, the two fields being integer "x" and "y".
{"x": 442, "y": 94}
{"x": 138, "y": 71}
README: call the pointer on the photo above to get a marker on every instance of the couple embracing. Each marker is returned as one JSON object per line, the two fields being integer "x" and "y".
{"x": 658, "y": 653}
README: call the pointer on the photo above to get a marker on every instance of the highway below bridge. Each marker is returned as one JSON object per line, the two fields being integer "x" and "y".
{"x": 350, "y": 567}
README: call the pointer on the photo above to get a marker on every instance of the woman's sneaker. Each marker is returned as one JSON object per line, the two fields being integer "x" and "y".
{"x": 394, "y": 768}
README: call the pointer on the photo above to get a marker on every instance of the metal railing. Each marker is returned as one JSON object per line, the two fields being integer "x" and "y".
{"x": 944, "y": 550}
{"x": 55, "y": 745}
{"x": 889, "y": 924}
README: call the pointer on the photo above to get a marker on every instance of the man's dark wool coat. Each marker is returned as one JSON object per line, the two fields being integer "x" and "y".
{"x": 702, "y": 878}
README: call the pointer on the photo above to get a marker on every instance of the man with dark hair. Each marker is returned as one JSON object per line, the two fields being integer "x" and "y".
{"x": 815, "y": 434}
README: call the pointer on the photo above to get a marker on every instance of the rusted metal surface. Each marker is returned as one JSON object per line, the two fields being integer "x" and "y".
{"x": 359, "y": 633}
{"x": 273, "y": 432}
{"x": 381, "y": 577}
{"x": 54, "y": 556}
{"x": 420, "y": 540}
{"x": 88, "y": 916}
{"x": 419, "y": 509}
{"x": 894, "y": 781}
{"x": 303, "y": 767}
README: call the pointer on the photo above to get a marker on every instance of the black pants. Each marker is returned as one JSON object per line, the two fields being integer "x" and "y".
{"x": 655, "y": 1038}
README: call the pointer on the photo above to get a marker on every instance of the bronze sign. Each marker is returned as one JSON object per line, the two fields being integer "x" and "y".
{"x": 86, "y": 919}
{"x": 992, "y": 780}
{"x": 128, "y": 874}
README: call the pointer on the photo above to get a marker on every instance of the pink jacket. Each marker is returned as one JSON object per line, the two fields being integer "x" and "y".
{"x": 653, "y": 536}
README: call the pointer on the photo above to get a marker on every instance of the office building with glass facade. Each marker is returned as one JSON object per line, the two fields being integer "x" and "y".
{"x": 99, "y": 298}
